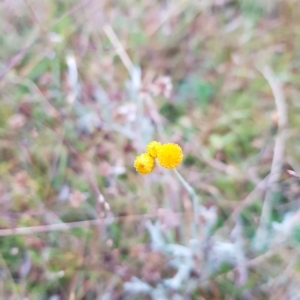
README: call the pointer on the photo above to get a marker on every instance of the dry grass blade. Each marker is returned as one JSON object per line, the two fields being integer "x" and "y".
{"x": 278, "y": 155}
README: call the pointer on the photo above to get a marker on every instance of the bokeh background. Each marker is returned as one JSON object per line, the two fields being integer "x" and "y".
{"x": 85, "y": 85}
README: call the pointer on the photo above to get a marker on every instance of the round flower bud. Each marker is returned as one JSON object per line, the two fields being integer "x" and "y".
{"x": 169, "y": 155}
{"x": 152, "y": 148}
{"x": 144, "y": 163}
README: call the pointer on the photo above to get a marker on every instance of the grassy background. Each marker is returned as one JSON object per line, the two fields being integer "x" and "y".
{"x": 84, "y": 85}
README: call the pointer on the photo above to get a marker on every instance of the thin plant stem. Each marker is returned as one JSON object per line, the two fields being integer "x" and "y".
{"x": 194, "y": 199}
{"x": 278, "y": 156}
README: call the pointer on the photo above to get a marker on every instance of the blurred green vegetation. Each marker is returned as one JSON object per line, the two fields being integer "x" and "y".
{"x": 84, "y": 85}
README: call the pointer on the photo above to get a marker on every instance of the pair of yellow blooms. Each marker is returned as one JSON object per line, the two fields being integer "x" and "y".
{"x": 168, "y": 155}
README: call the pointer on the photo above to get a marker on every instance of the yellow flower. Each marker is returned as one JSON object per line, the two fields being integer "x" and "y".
{"x": 152, "y": 148}
{"x": 169, "y": 155}
{"x": 144, "y": 163}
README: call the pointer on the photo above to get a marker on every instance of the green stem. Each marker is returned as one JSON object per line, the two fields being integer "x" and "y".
{"x": 193, "y": 196}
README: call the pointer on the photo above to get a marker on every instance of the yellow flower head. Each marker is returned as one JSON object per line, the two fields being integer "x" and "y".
{"x": 152, "y": 148}
{"x": 169, "y": 155}
{"x": 144, "y": 163}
